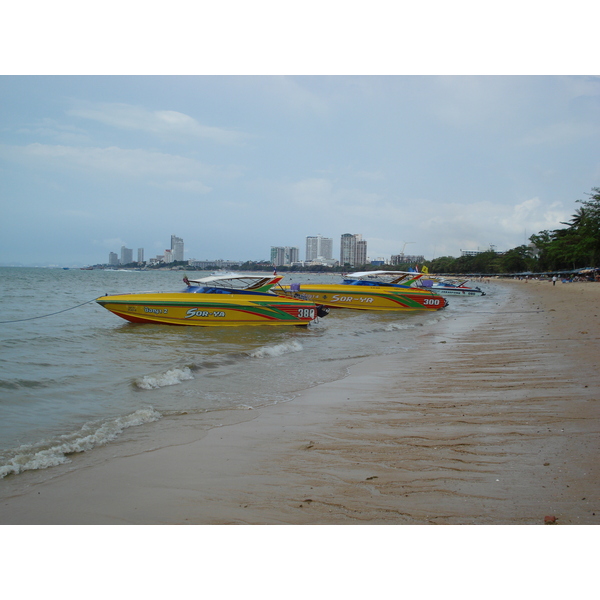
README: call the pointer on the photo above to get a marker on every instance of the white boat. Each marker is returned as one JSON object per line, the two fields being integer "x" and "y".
{"x": 439, "y": 285}
{"x": 451, "y": 287}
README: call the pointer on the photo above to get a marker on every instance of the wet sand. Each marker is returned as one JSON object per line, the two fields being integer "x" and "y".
{"x": 494, "y": 418}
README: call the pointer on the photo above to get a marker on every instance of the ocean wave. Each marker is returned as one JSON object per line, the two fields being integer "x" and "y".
{"x": 50, "y": 454}
{"x": 170, "y": 377}
{"x": 277, "y": 350}
{"x": 17, "y": 384}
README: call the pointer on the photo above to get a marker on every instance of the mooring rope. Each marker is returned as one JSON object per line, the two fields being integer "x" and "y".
{"x": 51, "y": 314}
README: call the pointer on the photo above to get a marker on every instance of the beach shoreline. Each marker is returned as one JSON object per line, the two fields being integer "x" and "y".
{"x": 492, "y": 419}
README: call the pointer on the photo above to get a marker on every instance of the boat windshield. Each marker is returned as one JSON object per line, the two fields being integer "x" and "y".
{"x": 363, "y": 282}
{"x": 237, "y": 282}
{"x": 196, "y": 289}
{"x": 372, "y": 283}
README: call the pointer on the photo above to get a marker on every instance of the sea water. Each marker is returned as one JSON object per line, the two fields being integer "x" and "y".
{"x": 73, "y": 376}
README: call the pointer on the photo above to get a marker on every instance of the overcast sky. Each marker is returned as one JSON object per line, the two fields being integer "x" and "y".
{"x": 237, "y": 164}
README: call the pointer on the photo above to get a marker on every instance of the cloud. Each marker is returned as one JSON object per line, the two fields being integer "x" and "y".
{"x": 50, "y": 128}
{"x": 435, "y": 227}
{"x": 324, "y": 196}
{"x": 479, "y": 225}
{"x": 112, "y": 160}
{"x": 164, "y": 123}
{"x": 534, "y": 215}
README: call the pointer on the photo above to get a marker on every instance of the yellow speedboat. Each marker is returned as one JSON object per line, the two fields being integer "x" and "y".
{"x": 218, "y": 300}
{"x": 359, "y": 292}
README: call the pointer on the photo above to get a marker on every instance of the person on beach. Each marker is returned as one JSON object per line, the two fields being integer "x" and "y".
{"x": 554, "y": 280}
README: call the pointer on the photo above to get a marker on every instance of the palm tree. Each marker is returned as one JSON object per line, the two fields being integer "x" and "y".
{"x": 577, "y": 219}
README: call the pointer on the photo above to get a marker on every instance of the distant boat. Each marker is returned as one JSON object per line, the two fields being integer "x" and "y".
{"x": 218, "y": 300}
{"x": 452, "y": 287}
{"x": 438, "y": 285}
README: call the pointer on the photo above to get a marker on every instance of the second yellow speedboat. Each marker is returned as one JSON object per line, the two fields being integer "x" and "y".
{"x": 364, "y": 295}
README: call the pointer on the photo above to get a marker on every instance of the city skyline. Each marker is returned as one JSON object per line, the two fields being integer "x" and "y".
{"x": 173, "y": 254}
{"x": 319, "y": 250}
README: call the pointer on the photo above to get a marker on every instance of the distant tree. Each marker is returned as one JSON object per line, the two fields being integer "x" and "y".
{"x": 516, "y": 260}
{"x": 483, "y": 262}
{"x": 442, "y": 264}
{"x": 588, "y": 228}
{"x": 577, "y": 245}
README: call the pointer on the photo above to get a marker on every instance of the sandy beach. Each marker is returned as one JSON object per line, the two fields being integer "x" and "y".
{"x": 494, "y": 418}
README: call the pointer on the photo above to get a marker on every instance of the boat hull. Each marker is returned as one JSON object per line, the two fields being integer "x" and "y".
{"x": 456, "y": 291}
{"x": 210, "y": 310}
{"x": 366, "y": 297}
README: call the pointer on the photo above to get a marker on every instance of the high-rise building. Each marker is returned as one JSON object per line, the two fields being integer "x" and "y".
{"x": 126, "y": 255}
{"x": 140, "y": 255}
{"x": 292, "y": 254}
{"x": 318, "y": 246}
{"x": 353, "y": 249}
{"x": 113, "y": 259}
{"x": 312, "y": 244}
{"x": 177, "y": 247}
{"x": 284, "y": 255}
{"x": 361, "y": 252}
{"x": 168, "y": 257}
{"x": 327, "y": 248}
{"x": 347, "y": 249}
{"x": 277, "y": 254}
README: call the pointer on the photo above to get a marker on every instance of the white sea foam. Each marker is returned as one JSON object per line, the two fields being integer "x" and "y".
{"x": 277, "y": 350}
{"x": 30, "y": 457}
{"x": 171, "y": 377}
{"x": 435, "y": 320}
{"x": 396, "y": 326}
